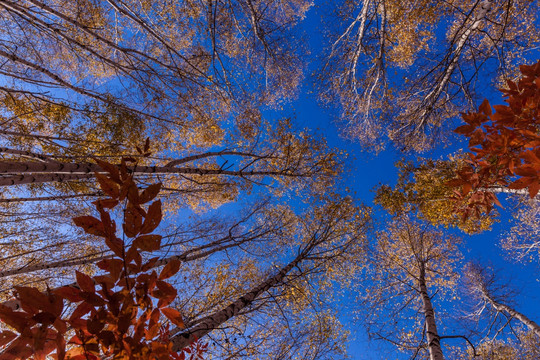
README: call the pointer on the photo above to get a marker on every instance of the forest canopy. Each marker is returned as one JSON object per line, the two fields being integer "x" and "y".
{"x": 168, "y": 192}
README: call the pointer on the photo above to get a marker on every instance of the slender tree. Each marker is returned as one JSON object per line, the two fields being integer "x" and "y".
{"x": 411, "y": 264}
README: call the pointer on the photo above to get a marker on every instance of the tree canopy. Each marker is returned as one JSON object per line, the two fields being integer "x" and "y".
{"x": 165, "y": 194}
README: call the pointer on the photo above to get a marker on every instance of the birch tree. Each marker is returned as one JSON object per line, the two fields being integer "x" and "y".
{"x": 411, "y": 265}
{"x": 435, "y": 77}
{"x": 494, "y": 299}
{"x": 316, "y": 241}
{"x": 183, "y": 67}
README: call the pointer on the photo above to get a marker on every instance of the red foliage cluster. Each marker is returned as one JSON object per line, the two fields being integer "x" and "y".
{"x": 121, "y": 313}
{"x": 504, "y": 146}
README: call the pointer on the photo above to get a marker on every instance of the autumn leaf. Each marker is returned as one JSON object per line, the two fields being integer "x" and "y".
{"x": 148, "y": 242}
{"x": 465, "y": 129}
{"x": 6, "y": 337}
{"x": 108, "y": 186}
{"x": 110, "y": 168}
{"x": 82, "y": 309}
{"x": 69, "y": 292}
{"x": 170, "y": 269}
{"x": 485, "y": 108}
{"x": 174, "y": 316}
{"x": 149, "y": 193}
{"x": 90, "y": 225}
{"x": 153, "y": 218}
{"x": 85, "y": 282}
{"x": 113, "y": 266}
{"x": 132, "y": 221}
{"x": 34, "y": 298}
{"x": 17, "y": 320}
{"x": 534, "y": 186}
{"x": 520, "y": 183}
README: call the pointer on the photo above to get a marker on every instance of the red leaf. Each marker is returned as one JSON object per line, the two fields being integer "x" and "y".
{"x": 106, "y": 203}
{"x": 113, "y": 266}
{"x": 165, "y": 292}
{"x": 86, "y": 283}
{"x": 153, "y": 218}
{"x": 485, "y": 108}
{"x": 33, "y": 297}
{"x": 132, "y": 221}
{"x": 110, "y": 168}
{"x": 465, "y": 129}
{"x": 521, "y": 183}
{"x": 533, "y": 188}
{"x": 526, "y": 170}
{"x": 81, "y": 310}
{"x": 148, "y": 242}
{"x": 149, "y": 193}
{"x": 44, "y": 318}
{"x": 149, "y": 264}
{"x": 116, "y": 245}
{"x": 90, "y": 225}
{"x": 467, "y": 187}
{"x": 170, "y": 269}
{"x": 133, "y": 254}
{"x": 92, "y": 299}
{"x": 95, "y": 325}
{"x": 16, "y": 319}
{"x": 174, "y": 316}
{"x": 70, "y": 293}
{"x": 6, "y": 337}
{"x": 109, "y": 186}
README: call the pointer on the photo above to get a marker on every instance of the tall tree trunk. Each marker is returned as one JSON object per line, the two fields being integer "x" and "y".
{"x": 32, "y": 172}
{"x": 531, "y": 325}
{"x": 211, "y": 322}
{"x": 433, "y": 339}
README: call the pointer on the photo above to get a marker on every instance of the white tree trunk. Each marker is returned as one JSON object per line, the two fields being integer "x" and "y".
{"x": 433, "y": 339}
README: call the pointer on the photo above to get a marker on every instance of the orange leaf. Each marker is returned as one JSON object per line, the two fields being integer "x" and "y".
{"x": 526, "y": 170}
{"x": 164, "y": 291}
{"x": 148, "y": 242}
{"x": 467, "y": 187}
{"x": 34, "y": 298}
{"x": 521, "y": 183}
{"x": 174, "y": 316}
{"x": 533, "y": 188}
{"x": 170, "y": 269}
{"x": 90, "y": 225}
{"x": 454, "y": 183}
{"x": 108, "y": 185}
{"x": 86, "y": 283}
{"x": 153, "y": 218}
{"x": 149, "y": 193}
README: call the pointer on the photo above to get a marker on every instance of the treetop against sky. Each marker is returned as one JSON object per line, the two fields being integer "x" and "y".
{"x": 316, "y": 202}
